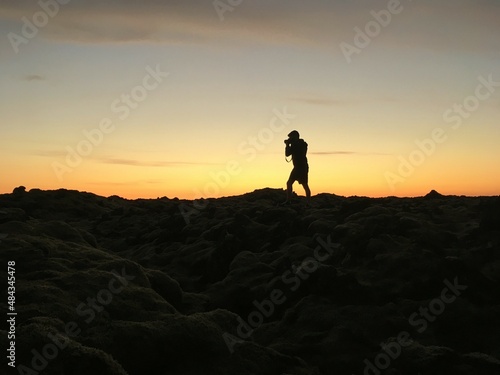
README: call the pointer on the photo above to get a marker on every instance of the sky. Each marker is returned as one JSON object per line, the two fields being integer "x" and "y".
{"x": 194, "y": 99}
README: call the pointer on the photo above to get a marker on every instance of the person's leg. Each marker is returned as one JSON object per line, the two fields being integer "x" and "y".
{"x": 289, "y": 185}
{"x": 306, "y": 185}
{"x": 308, "y": 191}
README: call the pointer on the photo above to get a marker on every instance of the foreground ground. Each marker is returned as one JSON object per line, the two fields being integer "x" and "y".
{"x": 241, "y": 285}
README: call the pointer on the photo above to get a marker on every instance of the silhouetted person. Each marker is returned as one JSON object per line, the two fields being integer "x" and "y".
{"x": 297, "y": 147}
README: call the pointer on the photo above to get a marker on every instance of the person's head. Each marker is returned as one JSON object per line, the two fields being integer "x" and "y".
{"x": 294, "y": 134}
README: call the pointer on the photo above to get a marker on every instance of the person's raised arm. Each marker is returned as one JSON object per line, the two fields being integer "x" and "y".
{"x": 288, "y": 148}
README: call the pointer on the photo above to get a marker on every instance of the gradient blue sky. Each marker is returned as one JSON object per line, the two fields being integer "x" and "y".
{"x": 227, "y": 78}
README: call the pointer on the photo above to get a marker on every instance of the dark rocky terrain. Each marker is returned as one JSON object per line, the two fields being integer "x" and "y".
{"x": 240, "y": 285}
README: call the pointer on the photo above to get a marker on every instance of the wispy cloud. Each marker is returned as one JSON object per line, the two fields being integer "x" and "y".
{"x": 319, "y": 101}
{"x": 339, "y": 152}
{"x": 314, "y": 23}
{"x": 121, "y": 161}
{"x": 128, "y": 183}
{"x": 33, "y": 77}
{"x": 149, "y": 163}
{"x": 323, "y": 153}
{"x": 50, "y": 153}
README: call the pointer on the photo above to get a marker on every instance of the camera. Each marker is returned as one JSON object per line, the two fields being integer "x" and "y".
{"x": 288, "y": 141}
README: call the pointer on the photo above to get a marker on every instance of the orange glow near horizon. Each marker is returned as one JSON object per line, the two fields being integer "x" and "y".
{"x": 340, "y": 175}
